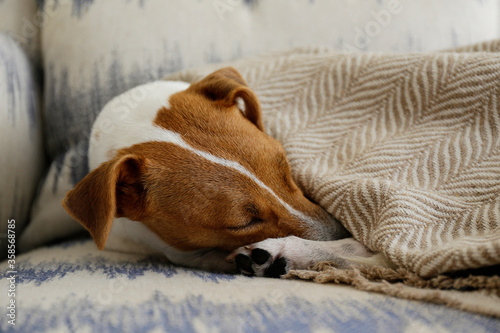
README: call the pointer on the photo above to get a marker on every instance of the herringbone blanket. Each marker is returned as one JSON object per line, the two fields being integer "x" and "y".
{"x": 404, "y": 149}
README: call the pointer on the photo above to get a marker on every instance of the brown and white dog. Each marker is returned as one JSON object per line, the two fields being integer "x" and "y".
{"x": 188, "y": 171}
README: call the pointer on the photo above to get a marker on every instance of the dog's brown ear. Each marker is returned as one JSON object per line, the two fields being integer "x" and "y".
{"x": 97, "y": 199}
{"x": 227, "y": 86}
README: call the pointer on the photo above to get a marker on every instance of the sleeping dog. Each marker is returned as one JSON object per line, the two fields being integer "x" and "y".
{"x": 188, "y": 171}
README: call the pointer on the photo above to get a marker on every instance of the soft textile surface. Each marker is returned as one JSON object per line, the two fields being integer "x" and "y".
{"x": 21, "y": 146}
{"x": 403, "y": 149}
{"x": 94, "y": 50}
{"x": 73, "y": 287}
{"x": 22, "y": 21}
{"x": 478, "y": 292}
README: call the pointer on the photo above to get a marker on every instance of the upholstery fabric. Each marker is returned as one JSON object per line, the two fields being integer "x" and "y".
{"x": 21, "y": 143}
{"x": 73, "y": 287}
{"x": 22, "y": 21}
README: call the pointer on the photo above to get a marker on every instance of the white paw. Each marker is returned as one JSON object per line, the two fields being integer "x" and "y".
{"x": 266, "y": 258}
{"x": 275, "y": 257}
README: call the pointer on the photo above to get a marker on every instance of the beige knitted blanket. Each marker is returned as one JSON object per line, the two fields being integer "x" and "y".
{"x": 404, "y": 149}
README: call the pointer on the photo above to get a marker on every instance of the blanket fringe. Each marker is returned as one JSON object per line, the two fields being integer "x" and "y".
{"x": 398, "y": 283}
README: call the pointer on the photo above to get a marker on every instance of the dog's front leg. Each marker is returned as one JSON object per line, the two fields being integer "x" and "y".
{"x": 276, "y": 256}
{"x": 212, "y": 260}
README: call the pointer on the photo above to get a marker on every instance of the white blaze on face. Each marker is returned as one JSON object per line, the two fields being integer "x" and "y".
{"x": 175, "y": 138}
{"x": 129, "y": 119}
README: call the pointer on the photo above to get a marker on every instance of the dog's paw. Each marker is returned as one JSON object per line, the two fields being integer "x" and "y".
{"x": 275, "y": 257}
{"x": 266, "y": 258}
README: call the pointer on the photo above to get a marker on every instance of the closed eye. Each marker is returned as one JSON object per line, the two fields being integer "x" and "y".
{"x": 254, "y": 222}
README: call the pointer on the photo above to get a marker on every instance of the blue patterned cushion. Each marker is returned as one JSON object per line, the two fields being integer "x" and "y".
{"x": 21, "y": 145}
{"x": 75, "y": 287}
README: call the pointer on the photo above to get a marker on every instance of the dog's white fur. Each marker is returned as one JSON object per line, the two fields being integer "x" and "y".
{"x": 303, "y": 254}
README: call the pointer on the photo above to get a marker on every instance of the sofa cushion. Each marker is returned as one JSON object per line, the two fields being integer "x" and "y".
{"x": 22, "y": 157}
{"x": 73, "y": 286}
{"x": 21, "y": 20}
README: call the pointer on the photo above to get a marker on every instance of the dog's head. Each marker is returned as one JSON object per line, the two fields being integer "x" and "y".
{"x": 214, "y": 180}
